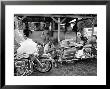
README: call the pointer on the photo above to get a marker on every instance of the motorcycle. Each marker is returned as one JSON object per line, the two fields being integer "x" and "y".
{"x": 25, "y": 64}
{"x": 77, "y": 52}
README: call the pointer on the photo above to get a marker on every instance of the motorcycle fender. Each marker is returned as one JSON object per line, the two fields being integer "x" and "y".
{"x": 48, "y": 59}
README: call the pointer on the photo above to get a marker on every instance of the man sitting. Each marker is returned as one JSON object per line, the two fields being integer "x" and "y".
{"x": 28, "y": 46}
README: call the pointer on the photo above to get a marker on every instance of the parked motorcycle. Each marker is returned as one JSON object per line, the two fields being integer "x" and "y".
{"x": 77, "y": 52}
{"x": 25, "y": 64}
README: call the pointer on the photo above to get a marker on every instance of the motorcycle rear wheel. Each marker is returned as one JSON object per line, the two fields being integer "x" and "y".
{"x": 47, "y": 66}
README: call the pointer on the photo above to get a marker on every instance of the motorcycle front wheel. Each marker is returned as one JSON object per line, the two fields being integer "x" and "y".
{"x": 24, "y": 71}
{"x": 47, "y": 66}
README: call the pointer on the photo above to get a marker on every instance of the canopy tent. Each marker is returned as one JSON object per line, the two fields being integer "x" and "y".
{"x": 58, "y": 18}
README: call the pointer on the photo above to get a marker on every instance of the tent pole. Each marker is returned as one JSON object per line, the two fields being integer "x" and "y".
{"x": 92, "y": 27}
{"x": 59, "y": 29}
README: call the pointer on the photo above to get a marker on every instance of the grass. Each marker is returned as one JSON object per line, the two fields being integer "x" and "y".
{"x": 79, "y": 68}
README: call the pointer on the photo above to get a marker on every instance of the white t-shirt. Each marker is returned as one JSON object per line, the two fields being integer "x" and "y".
{"x": 28, "y": 46}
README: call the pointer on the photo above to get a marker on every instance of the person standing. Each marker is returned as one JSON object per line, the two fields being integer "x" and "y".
{"x": 45, "y": 36}
{"x": 18, "y": 35}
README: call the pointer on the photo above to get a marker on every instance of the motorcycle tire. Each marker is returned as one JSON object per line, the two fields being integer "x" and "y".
{"x": 20, "y": 71}
{"x": 47, "y": 66}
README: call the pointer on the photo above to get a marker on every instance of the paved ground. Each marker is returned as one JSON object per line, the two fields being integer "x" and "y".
{"x": 79, "y": 68}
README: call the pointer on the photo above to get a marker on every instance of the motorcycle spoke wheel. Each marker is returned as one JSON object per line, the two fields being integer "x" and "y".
{"x": 47, "y": 65}
{"x": 20, "y": 71}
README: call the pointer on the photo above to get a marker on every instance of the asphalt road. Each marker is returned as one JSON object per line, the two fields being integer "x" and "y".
{"x": 78, "y": 68}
